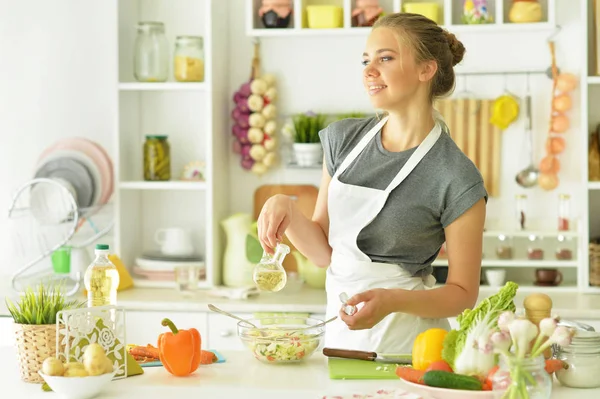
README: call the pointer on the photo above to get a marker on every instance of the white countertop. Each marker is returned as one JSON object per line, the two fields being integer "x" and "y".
{"x": 241, "y": 376}
{"x": 566, "y": 305}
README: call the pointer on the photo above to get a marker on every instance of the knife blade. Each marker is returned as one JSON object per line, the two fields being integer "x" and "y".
{"x": 370, "y": 356}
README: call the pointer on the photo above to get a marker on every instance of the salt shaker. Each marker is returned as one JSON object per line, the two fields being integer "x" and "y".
{"x": 538, "y": 307}
{"x": 348, "y": 309}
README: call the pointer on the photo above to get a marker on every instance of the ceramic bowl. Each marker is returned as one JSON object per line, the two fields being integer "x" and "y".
{"x": 279, "y": 339}
{"x": 78, "y": 387}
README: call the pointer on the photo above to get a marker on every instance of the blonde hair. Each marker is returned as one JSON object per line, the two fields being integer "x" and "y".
{"x": 429, "y": 42}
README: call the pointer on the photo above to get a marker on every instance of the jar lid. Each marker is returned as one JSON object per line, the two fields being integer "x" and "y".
{"x": 156, "y": 137}
{"x": 150, "y": 25}
{"x": 186, "y": 39}
{"x": 584, "y": 342}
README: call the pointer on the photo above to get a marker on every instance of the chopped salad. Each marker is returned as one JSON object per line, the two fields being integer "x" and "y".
{"x": 280, "y": 345}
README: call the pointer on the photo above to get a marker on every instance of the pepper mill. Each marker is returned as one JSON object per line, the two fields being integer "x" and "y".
{"x": 538, "y": 307}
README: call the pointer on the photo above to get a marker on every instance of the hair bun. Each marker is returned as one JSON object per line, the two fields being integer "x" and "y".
{"x": 456, "y": 47}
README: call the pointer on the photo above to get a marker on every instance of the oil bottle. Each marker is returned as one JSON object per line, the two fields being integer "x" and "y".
{"x": 269, "y": 274}
{"x": 101, "y": 279}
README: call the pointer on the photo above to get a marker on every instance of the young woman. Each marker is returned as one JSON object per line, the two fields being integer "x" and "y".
{"x": 394, "y": 189}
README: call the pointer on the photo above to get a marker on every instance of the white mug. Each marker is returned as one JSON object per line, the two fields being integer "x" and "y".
{"x": 174, "y": 241}
{"x": 495, "y": 278}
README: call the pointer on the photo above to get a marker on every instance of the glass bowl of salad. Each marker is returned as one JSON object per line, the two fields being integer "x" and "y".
{"x": 282, "y": 339}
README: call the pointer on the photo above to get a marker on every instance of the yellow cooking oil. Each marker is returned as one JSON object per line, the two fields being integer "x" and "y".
{"x": 101, "y": 279}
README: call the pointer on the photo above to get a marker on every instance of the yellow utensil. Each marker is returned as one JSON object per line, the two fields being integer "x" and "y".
{"x": 504, "y": 111}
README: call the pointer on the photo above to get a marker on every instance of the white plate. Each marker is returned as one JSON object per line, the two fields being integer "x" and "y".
{"x": 164, "y": 265}
{"x": 428, "y": 392}
{"x": 84, "y": 159}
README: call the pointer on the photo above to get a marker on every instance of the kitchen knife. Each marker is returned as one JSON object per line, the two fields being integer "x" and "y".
{"x": 371, "y": 356}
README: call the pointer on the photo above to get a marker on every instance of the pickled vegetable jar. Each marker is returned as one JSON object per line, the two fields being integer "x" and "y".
{"x": 189, "y": 59}
{"x": 157, "y": 159}
{"x": 151, "y": 59}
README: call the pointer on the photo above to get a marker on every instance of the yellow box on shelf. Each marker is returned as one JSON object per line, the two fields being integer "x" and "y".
{"x": 324, "y": 16}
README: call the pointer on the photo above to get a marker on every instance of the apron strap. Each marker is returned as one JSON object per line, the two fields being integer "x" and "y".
{"x": 416, "y": 157}
{"x": 360, "y": 146}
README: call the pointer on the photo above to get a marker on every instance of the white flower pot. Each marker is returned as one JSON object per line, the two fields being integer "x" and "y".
{"x": 308, "y": 154}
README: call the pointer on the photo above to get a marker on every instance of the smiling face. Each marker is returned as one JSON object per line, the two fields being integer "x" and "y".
{"x": 391, "y": 75}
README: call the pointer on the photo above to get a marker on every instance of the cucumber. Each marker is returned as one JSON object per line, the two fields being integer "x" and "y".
{"x": 446, "y": 379}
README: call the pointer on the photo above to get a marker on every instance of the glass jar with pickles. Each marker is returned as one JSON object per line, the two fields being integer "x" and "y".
{"x": 157, "y": 158}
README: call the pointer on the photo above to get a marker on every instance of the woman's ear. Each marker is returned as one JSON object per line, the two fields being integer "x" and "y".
{"x": 428, "y": 70}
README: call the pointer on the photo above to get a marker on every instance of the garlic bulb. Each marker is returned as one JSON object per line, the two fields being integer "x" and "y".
{"x": 255, "y": 135}
{"x": 271, "y": 94}
{"x": 269, "y": 79}
{"x": 259, "y": 168}
{"x": 270, "y": 111}
{"x": 257, "y": 152}
{"x": 270, "y": 159}
{"x": 255, "y": 103}
{"x": 257, "y": 120}
{"x": 258, "y": 86}
{"x": 270, "y": 127}
{"x": 270, "y": 144}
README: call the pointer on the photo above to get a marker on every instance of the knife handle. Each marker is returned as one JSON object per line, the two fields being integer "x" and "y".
{"x": 349, "y": 354}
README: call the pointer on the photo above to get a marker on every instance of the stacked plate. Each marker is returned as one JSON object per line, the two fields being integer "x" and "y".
{"x": 155, "y": 266}
{"x": 83, "y": 166}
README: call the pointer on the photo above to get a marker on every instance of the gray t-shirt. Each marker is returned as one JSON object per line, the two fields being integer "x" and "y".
{"x": 409, "y": 230}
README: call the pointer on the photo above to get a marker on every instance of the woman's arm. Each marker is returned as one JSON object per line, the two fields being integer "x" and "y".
{"x": 464, "y": 241}
{"x": 310, "y": 237}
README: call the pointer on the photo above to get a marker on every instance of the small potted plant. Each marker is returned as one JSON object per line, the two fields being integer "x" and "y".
{"x": 307, "y": 144}
{"x": 34, "y": 318}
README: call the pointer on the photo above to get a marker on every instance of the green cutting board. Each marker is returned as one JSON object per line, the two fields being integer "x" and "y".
{"x": 352, "y": 369}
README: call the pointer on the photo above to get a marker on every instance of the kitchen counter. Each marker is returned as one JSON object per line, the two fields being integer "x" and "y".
{"x": 241, "y": 376}
{"x": 565, "y": 304}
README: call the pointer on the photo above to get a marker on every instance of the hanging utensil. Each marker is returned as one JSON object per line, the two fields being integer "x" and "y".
{"x": 528, "y": 177}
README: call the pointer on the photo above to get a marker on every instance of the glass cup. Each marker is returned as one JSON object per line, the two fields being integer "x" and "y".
{"x": 187, "y": 278}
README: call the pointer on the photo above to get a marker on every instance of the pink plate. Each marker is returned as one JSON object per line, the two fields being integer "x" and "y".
{"x": 443, "y": 393}
{"x": 93, "y": 151}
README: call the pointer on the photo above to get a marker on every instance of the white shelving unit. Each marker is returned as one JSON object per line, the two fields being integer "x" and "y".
{"x": 499, "y": 10}
{"x": 590, "y": 118}
{"x": 192, "y": 115}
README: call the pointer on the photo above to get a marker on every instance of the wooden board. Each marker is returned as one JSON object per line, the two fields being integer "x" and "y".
{"x": 305, "y": 196}
{"x": 469, "y": 122}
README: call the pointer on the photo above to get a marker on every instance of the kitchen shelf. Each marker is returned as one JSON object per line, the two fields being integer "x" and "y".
{"x": 525, "y": 233}
{"x": 530, "y": 288}
{"x": 192, "y": 115}
{"x": 171, "y": 86}
{"x": 451, "y": 12}
{"x": 594, "y": 185}
{"x": 518, "y": 263}
{"x": 593, "y": 80}
{"x": 163, "y": 185}
{"x": 475, "y": 29}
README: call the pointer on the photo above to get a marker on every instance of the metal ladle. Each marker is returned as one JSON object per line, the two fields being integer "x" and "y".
{"x": 528, "y": 177}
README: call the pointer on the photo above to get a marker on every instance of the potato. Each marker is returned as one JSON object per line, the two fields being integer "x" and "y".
{"x": 93, "y": 350}
{"x": 95, "y": 365}
{"x": 75, "y": 372}
{"x": 53, "y": 366}
{"x": 74, "y": 365}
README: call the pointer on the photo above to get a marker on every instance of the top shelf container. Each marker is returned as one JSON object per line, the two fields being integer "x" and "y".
{"x": 334, "y": 17}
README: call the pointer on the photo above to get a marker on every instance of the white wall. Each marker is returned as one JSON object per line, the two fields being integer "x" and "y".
{"x": 324, "y": 74}
{"x": 57, "y": 77}
{"x": 58, "y": 71}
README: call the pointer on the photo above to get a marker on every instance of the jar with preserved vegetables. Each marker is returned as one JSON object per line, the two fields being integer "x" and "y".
{"x": 189, "y": 59}
{"x": 157, "y": 158}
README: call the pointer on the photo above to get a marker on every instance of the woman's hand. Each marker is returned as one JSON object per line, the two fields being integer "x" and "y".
{"x": 375, "y": 307}
{"x": 274, "y": 218}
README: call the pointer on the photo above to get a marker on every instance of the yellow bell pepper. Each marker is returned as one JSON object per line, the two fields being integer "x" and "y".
{"x": 427, "y": 348}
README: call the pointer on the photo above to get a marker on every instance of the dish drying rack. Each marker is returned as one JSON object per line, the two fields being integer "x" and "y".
{"x": 43, "y": 217}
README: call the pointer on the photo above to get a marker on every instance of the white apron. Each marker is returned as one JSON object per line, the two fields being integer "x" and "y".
{"x": 351, "y": 208}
